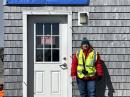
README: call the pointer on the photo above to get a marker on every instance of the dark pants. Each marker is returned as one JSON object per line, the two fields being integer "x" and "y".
{"x": 86, "y": 88}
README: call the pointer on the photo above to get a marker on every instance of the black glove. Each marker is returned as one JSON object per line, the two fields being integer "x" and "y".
{"x": 99, "y": 78}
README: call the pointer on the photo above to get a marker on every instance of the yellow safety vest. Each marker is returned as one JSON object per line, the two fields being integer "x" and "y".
{"x": 89, "y": 63}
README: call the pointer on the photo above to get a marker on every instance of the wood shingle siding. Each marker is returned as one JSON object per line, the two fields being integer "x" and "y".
{"x": 91, "y": 9}
{"x": 108, "y": 31}
{"x": 105, "y": 23}
{"x": 12, "y": 23}
{"x": 13, "y": 30}
{"x": 110, "y": 2}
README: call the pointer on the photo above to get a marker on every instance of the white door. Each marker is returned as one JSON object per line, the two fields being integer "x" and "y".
{"x": 50, "y": 60}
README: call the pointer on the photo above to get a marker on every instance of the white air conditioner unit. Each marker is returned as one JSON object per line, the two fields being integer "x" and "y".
{"x": 83, "y": 18}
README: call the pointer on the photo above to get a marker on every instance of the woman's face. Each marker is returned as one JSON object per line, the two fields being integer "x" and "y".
{"x": 85, "y": 46}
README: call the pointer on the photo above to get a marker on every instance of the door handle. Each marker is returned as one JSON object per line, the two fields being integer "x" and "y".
{"x": 64, "y": 66}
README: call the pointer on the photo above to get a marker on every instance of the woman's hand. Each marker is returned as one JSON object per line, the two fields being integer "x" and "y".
{"x": 74, "y": 78}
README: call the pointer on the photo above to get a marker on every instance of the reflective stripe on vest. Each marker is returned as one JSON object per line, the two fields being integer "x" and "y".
{"x": 89, "y": 63}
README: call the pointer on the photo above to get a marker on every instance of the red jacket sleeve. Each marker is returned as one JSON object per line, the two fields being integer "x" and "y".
{"x": 74, "y": 66}
{"x": 99, "y": 67}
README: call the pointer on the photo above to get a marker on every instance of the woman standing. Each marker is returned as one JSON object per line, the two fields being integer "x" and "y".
{"x": 86, "y": 68}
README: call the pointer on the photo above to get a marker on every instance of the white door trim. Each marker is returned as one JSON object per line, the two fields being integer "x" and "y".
{"x": 69, "y": 45}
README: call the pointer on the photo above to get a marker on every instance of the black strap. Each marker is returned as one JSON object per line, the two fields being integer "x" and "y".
{"x": 84, "y": 62}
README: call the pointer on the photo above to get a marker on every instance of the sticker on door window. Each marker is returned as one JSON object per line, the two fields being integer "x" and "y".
{"x": 48, "y": 40}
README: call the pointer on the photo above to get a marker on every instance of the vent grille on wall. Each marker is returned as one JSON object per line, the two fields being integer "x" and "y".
{"x": 83, "y": 18}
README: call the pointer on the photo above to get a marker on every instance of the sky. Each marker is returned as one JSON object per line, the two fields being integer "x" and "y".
{"x": 1, "y": 26}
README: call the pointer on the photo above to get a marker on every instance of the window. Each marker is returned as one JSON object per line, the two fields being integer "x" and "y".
{"x": 47, "y": 40}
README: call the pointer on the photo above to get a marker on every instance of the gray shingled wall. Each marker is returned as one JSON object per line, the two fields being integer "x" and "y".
{"x": 108, "y": 31}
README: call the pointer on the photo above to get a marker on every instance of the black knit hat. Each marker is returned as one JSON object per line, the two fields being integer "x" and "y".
{"x": 85, "y": 41}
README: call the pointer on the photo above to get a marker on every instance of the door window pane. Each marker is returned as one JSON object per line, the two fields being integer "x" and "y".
{"x": 55, "y": 29}
{"x": 47, "y": 29}
{"x": 55, "y": 55}
{"x": 39, "y": 29}
{"x": 39, "y": 43}
{"x": 47, "y": 55}
{"x": 55, "y": 42}
{"x": 39, "y": 55}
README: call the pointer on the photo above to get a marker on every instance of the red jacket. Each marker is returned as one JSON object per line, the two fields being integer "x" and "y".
{"x": 98, "y": 65}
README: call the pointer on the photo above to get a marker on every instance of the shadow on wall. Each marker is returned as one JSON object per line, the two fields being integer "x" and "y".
{"x": 105, "y": 82}
{"x": 1, "y": 54}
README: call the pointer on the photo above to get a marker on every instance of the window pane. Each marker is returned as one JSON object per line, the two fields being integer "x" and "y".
{"x": 47, "y": 29}
{"x": 39, "y": 55}
{"x": 55, "y": 29}
{"x": 39, "y": 43}
{"x": 55, "y": 55}
{"x": 39, "y": 29}
{"x": 47, "y": 55}
{"x": 55, "y": 42}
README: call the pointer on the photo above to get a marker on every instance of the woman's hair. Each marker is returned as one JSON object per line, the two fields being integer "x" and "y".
{"x": 90, "y": 46}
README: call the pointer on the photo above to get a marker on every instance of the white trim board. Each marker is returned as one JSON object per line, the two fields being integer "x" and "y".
{"x": 69, "y": 46}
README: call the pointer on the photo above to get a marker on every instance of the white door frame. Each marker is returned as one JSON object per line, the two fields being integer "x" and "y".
{"x": 69, "y": 45}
